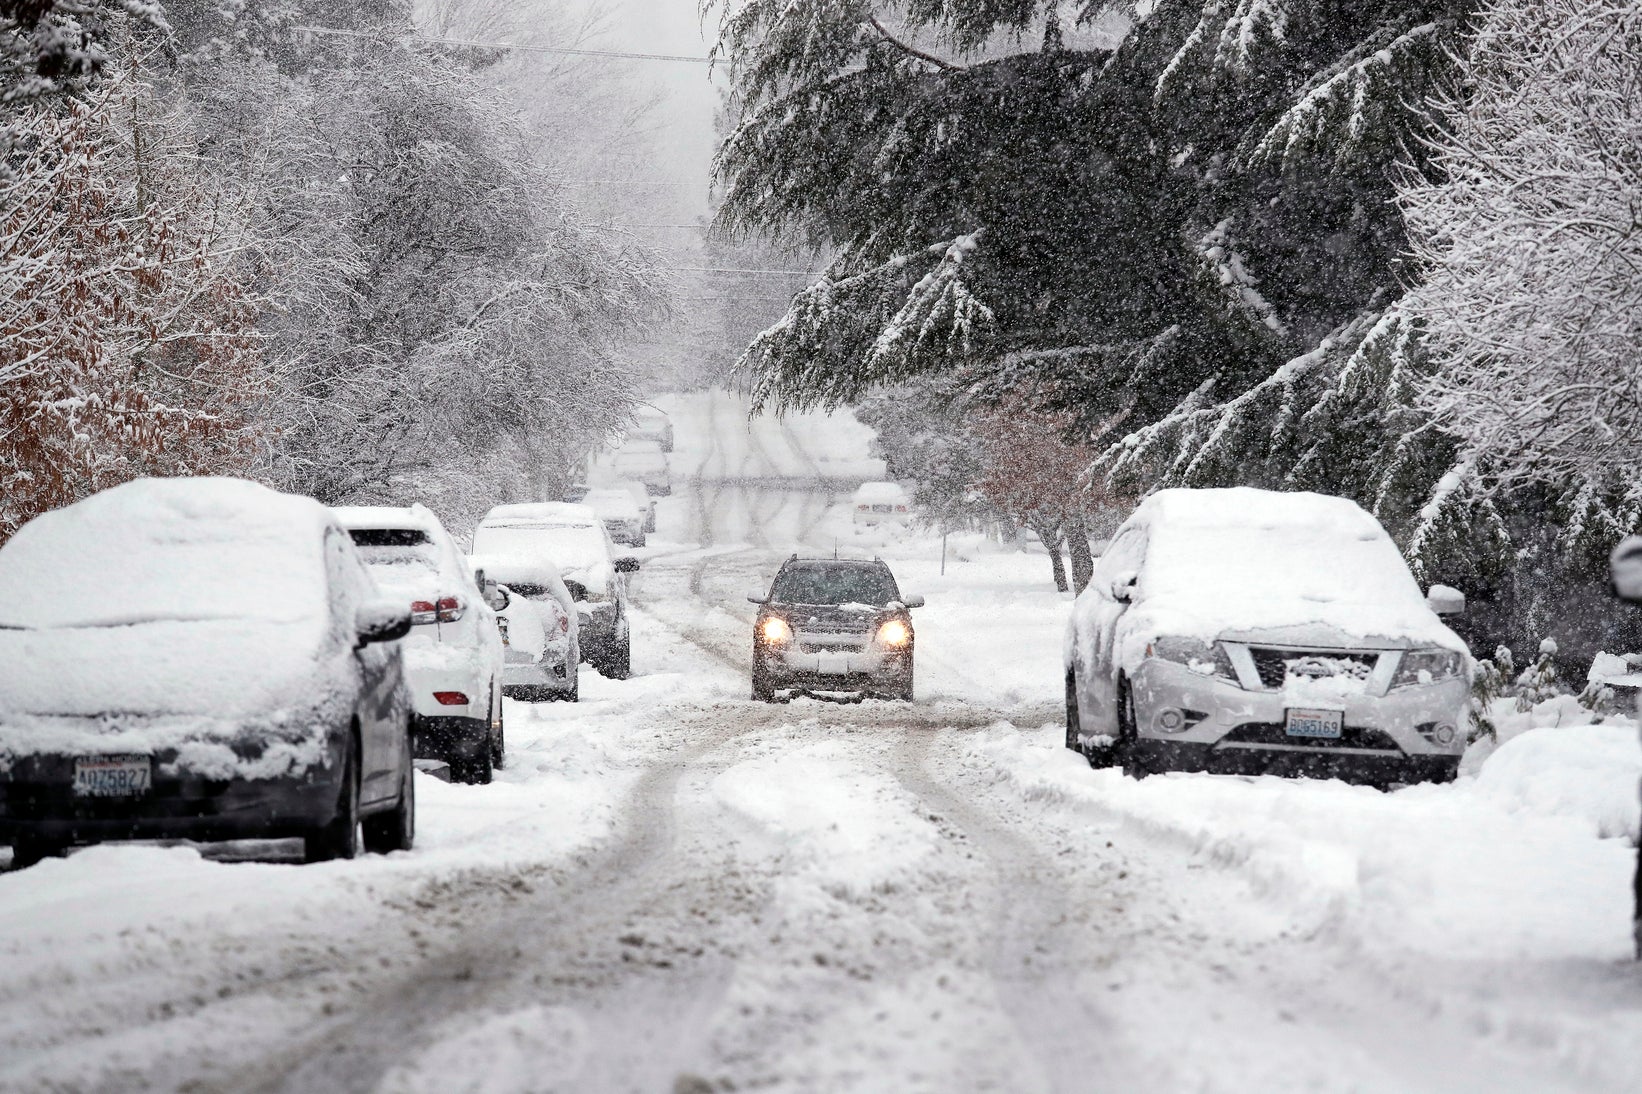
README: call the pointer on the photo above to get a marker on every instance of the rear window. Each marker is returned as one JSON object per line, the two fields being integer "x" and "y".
{"x": 834, "y": 585}
{"x": 405, "y": 550}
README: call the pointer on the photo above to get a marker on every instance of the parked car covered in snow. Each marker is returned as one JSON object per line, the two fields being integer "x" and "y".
{"x": 199, "y": 659}
{"x": 641, "y": 497}
{"x": 833, "y": 625}
{"x": 453, "y": 655}
{"x": 651, "y": 424}
{"x": 1249, "y": 631}
{"x": 875, "y": 503}
{"x": 644, "y": 461}
{"x": 623, "y": 517}
{"x": 573, "y": 538}
{"x": 540, "y": 631}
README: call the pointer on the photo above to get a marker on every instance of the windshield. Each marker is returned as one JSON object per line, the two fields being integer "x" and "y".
{"x": 834, "y": 585}
{"x": 572, "y": 545}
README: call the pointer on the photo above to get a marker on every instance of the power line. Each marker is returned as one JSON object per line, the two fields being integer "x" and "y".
{"x": 560, "y": 50}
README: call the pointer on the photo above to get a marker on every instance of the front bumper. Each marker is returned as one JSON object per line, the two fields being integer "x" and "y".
{"x": 1227, "y": 728}
{"x": 844, "y": 668}
{"x": 37, "y": 801}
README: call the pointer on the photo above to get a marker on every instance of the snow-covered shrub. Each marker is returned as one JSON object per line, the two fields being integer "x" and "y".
{"x": 1488, "y": 686}
{"x": 1538, "y": 682}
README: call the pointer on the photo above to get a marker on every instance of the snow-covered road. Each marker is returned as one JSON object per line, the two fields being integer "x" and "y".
{"x": 671, "y": 887}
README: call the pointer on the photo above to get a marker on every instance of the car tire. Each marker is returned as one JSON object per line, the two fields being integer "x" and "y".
{"x": 339, "y": 839}
{"x": 616, "y": 661}
{"x": 498, "y": 752}
{"x": 475, "y": 770}
{"x": 1126, "y": 749}
{"x": 394, "y": 830}
{"x": 904, "y": 692}
{"x": 763, "y": 690}
{"x": 31, "y": 852}
{"x": 1097, "y": 755}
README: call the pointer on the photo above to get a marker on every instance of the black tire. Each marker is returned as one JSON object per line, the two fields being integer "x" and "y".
{"x": 27, "y": 852}
{"x": 1636, "y": 925}
{"x": 1128, "y": 739}
{"x": 617, "y": 661}
{"x": 340, "y": 838}
{"x": 1097, "y": 755}
{"x": 394, "y": 830}
{"x": 763, "y": 690}
{"x": 475, "y": 770}
{"x": 498, "y": 751}
{"x": 904, "y": 692}
{"x": 640, "y": 541}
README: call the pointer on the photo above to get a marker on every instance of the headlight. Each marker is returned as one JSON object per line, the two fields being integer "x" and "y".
{"x": 894, "y": 632}
{"x": 1427, "y": 667}
{"x": 1206, "y": 658}
{"x": 775, "y": 631}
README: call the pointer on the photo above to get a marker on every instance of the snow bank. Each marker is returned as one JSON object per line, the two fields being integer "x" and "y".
{"x": 1589, "y": 773}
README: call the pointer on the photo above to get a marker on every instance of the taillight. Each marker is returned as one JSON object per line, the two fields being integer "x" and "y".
{"x": 451, "y": 609}
{"x": 864, "y": 508}
{"x": 447, "y": 609}
{"x": 900, "y": 508}
{"x": 451, "y": 698}
{"x": 423, "y": 611}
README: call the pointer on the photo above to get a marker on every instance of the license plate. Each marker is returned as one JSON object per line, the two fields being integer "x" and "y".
{"x": 1316, "y": 723}
{"x": 112, "y": 776}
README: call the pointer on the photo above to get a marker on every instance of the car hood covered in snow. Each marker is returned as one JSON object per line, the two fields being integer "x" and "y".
{"x": 1286, "y": 568}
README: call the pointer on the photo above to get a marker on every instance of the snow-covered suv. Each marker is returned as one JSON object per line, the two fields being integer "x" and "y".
{"x": 1249, "y": 631}
{"x": 453, "y": 657}
{"x": 833, "y": 625}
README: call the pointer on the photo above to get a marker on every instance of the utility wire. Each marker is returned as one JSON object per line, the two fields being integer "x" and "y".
{"x": 561, "y": 50}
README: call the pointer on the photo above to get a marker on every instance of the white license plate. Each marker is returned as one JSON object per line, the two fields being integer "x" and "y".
{"x": 112, "y": 776}
{"x": 1316, "y": 723}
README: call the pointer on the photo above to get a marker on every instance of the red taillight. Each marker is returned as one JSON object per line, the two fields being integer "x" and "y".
{"x": 447, "y": 609}
{"x": 423, "y": 611}
{"x": 450, "y": 609}
{"x": 900, "y": 508}
{"x": 451, "y": 698}
{"x": 864, "y": 508}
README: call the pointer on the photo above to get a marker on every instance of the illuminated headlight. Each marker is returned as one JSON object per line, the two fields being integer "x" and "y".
{"x": 1428, "y": 667}
{"x": 1205, "y": 658}
{"x": 894, "y": 633}
{"x": 775, "y": 631}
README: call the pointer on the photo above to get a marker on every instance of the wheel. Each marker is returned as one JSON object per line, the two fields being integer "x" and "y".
{"x": 340, "y": 838}
{"x": 904, "y": 692}
{"x": 618, "y": 659}
{"x": 763, "y": 692}
{"x": 498, "y": 752}
{"x": 1125, "y": 749}
{"x": 394, "y": 830}
{"x": 1097, "y": 755}
{"x": 640, "y": 541}
{"x": 26, "y": 852}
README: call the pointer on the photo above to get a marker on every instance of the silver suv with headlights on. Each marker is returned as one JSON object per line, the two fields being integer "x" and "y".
{"x": 833, "y": 626}
{"x": 1246, "y": 631}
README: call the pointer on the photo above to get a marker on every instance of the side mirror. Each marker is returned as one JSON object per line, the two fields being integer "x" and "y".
{"x": 380, "y": 621}
{"x": 497, "y": 596}
{"x": 1123, "y": 586}
{"x": 912, "y": 600}
{"x": 627, "y": 565}
{"x": 1445, "y": 600}
{"x": 1625, "y": 569}
{"x": 756, "y": 597}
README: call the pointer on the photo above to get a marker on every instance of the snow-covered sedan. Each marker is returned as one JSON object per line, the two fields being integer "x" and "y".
{"x": 573, "y": 539}
{"x": 1248, "y": 631}
{"x": 833, "y": 625}
{"x": 644, "y": 461}
{"x": 875, "y": 503}
{"x": 199, "y": 659}
{"x": 651, "y": 424}
{"x": 623, "y": 517}
{"x": 540, "y": 633}
{"x": 453, "y": 657}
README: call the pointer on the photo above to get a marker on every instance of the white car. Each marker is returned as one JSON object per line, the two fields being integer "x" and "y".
{"x": 875, "y": 503}
{"x": 573, "y": 538}
{"x": 200, "y": 659}
{"x": 453, "y": 656}
{"x": 645, "y": 462}
{"x": 641, "y": 497}
{"x": 623, "y": 518}
{"x": 650, "y": 424}
{"x": 541, "y": 637}
{"x": 1248, "y": 631}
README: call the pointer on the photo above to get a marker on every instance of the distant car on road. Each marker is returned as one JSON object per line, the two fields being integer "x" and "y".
{"x": 623, "y": 517}
{"x": 645, "y": 462}
{"x": 540, "y": 631}
{"x": 833, "y": 625}
{"x": 1248, "y": 631}
{"x": 650, "y": 424}
{"x": 875, "y": 503}
{"x": 641, "y": 497}
{"x": 573, "y": 538}
{"x": 453, "y": 655}
{"x": 199, "y": 659}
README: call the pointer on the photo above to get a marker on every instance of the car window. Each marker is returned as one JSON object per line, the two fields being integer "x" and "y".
{"x": 1126, "y": 554}
{"x": 834, "y": 585}
{"x": 397, "y": 549}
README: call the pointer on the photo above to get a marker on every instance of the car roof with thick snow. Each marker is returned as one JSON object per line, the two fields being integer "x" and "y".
{"x": 1246, "y": 560}
{"x": 615, "y": 502}
{"x": 418, "y": 517}
{"x": 882, "y": 492}
{"x": 543, "y": 513}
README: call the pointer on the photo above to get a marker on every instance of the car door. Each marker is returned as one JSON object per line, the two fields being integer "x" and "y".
{"x": 1099, "y": 614}
{"x": 380, "y": 704}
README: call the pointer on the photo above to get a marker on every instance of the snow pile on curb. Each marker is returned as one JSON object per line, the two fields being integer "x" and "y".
{"x": 1590, "y": 773}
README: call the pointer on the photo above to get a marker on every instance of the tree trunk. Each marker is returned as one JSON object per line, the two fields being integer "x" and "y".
{"x": 1077, "y": 546}
{"x": 1049, "y": 531}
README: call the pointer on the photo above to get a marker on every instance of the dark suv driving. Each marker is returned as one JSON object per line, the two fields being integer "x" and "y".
{"x": 833, "y": 625}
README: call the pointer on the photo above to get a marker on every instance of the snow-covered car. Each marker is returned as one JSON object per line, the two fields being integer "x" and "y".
{"x": 650, "y": 424}
{"x": 833, "y": 625}
{"x": 1247, "y": 631}
{"x": 644, "y": 461}
{"x": 573, "y": 538}
{"x": 641, "y": 497}
{"x": 199, "y": 659}
{"x": 453, "y": 655}
{"x": 540, "y": 633}
{"x": 875, "y": 503}
{"x": 623, "y": 518}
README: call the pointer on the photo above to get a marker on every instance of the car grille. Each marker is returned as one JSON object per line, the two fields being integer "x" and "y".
{"x": 1274, "y": 733}
{"x": 1273, "y": 665}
